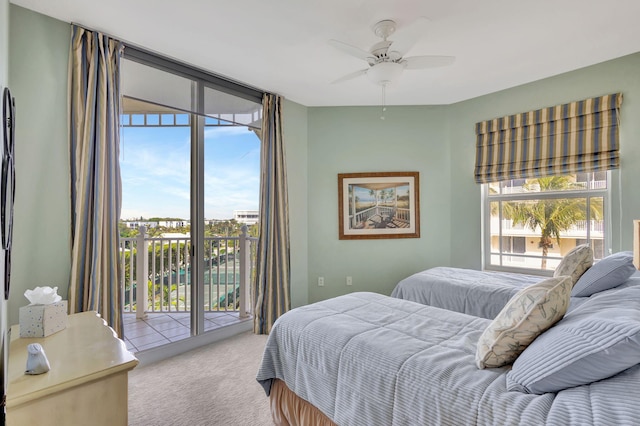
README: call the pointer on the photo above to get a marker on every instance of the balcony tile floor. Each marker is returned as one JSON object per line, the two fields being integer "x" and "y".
{"x": 158, "y": 329}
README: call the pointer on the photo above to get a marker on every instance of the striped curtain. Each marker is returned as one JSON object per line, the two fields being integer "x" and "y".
{"x": 575, "y": 137}
{"x": 94, "y": 92}
{"x": 270, "y": 290}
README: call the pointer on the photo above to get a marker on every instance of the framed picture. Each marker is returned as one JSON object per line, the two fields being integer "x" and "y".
{"x": 378, "y": 205}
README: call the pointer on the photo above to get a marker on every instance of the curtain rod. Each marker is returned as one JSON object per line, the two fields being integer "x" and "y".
{"x": 150, "y": 56}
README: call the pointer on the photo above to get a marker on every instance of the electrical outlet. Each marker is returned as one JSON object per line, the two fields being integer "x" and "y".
{"x": 349, "y": 281}
{"x": 321, "y": 281}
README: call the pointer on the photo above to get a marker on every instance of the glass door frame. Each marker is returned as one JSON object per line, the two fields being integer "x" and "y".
{"x": 197, "y": 210}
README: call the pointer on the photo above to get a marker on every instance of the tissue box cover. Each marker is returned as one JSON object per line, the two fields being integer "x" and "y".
{"x": 43, "y": 320}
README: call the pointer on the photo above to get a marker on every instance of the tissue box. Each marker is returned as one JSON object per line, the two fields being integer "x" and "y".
{"x": 43, "y": 320}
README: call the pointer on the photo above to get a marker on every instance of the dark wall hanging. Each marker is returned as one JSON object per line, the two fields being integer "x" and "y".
{"x": 7, "y": 185}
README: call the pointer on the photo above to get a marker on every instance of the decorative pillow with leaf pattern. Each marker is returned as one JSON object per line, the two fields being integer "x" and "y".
{"x": 528, "y": 314}
{"x": 575, "y": 263}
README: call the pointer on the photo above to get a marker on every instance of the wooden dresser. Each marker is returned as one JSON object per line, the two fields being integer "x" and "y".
{"x": 87, "y": 383}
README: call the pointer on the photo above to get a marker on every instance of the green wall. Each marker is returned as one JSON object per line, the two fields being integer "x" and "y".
{"x": 38, "y": 75}
{"x": 296, "y": 152}
{"x": 4, "y": 43}
{"x": 355, "y": 139}
{"x": 437, "y": 141}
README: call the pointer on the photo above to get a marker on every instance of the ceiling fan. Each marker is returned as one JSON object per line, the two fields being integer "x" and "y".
{"x": 386, "y": 58}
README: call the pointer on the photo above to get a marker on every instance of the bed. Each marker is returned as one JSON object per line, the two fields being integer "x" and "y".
{"x": 370, "y": 359}
{"x": 485, "y": 293}
{"x": 478, "y": 293}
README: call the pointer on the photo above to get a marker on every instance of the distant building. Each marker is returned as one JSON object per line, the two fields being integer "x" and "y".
{"x": 249, "y": 217}
{"x": 178, "y": 223}
{"x": 175, "y": 223}
{"x": 135, "y": 224}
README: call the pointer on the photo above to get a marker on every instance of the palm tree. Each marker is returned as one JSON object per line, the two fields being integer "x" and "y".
{"x": 552, "y": 216}
{"x": 374, "y": 195}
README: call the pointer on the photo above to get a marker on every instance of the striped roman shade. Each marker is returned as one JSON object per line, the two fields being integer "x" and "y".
{"x": 579, "y": 136}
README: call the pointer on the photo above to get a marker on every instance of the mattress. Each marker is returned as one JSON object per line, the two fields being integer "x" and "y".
{"x": 368, "y": 359}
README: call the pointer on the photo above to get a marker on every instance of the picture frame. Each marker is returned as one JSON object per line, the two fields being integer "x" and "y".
{"x": 378, "y": 205}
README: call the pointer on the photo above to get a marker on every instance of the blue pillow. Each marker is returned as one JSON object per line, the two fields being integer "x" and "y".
{"x": 597, "y": 340}
{"x": 609, "y": 272}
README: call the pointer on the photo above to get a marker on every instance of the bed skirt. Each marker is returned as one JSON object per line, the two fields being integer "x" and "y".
{"x": 288, "y": 409}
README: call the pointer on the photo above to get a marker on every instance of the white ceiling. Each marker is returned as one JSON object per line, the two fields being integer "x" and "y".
{"x": 281, "y": 46}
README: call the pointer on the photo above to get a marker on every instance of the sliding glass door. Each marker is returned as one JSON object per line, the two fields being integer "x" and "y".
{"x": 231, "y": 188}
{"x": 190, "y": 164}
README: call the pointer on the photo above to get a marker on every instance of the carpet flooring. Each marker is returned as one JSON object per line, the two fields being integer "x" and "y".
{"x": 210, "y": 385}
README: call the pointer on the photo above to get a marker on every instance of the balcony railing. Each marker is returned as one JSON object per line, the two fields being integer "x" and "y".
{"x": 381, "y": 210}
{"x": 165, "y": 273}
{"x": 577, "y": 230}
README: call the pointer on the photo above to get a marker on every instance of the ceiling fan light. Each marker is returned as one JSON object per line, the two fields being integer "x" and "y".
{"x": 385, "y": 73}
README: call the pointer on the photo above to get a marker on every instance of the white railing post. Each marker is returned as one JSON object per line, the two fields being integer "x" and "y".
{"x": 245, "y": 270}
{"x": 142, "y": 272}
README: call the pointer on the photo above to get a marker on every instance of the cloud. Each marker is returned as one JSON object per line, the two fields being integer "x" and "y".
{"x": 225, "y": 131}
{"x": 155, "y": 165}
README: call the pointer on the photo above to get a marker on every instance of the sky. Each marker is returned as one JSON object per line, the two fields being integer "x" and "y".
{"x": 155, "y": 170}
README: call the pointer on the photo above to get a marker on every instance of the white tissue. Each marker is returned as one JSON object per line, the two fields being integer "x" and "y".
{"x": 43, "y": 295}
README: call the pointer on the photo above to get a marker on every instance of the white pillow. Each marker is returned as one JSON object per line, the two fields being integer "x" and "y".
{"x": 530, "y": 312}
{"x": 575, "y": 263}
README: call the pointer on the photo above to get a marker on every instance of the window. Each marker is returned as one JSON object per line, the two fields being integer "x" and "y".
{"x": 545, "y": 178}
{"x": 531, "y": 223}
{"x": 513, "y": 244}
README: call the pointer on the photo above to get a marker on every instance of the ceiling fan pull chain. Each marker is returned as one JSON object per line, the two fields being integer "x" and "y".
{"x": 384, "y": 100}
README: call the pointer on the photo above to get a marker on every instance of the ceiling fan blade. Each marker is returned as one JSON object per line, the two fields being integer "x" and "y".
{"x": 352, "y": 50}
{"x": 429, "y": 61}
{"x": 405, "y": 37}
{"x": 350, "y": 76}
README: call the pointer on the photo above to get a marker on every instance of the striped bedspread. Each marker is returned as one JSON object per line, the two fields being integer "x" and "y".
{"x": 479, "y": 293}
{"x": 367, "y": 359}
